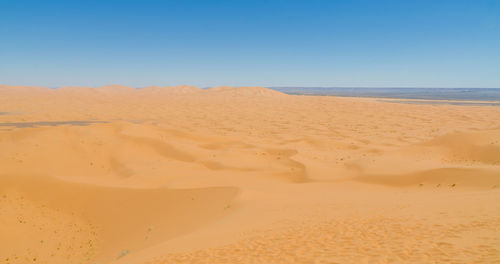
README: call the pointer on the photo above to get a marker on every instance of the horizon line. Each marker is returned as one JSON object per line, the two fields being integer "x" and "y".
{"x": 270, "y": 87}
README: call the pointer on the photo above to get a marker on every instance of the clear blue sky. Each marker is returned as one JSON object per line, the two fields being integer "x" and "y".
{"x": 401, "y": 43}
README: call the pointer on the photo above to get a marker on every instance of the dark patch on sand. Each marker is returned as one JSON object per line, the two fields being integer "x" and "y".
{"x": 441, "y": 102}
{"x": 50, "y": 123}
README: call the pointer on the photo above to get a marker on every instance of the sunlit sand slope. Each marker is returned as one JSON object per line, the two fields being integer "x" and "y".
{"x": 47, "y": 220}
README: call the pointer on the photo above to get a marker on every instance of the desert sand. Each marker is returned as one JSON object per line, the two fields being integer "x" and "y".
{"x": 244, "y": 175}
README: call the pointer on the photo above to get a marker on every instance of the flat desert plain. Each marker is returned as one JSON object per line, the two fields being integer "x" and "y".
{"x": 244, "y": 175}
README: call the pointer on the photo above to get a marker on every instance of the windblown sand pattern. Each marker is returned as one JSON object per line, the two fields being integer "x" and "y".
{"x": 244, "y": 175}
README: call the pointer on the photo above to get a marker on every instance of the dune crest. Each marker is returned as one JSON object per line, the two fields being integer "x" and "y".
{"x": 169, "y": 90}
{"x": 115, "y": 88}
{"x": 244, "y": 91}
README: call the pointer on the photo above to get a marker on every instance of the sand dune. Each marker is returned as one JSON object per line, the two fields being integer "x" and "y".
{"x": 169, "y": 90}
{"x": 244, "y": 175}
{"x": 115, "y": 88}
{"x": 244, "y": 91}
{"x": 111, "y": 221}
{"x": 466, "y": 159}
{"x": 478, "y": 147}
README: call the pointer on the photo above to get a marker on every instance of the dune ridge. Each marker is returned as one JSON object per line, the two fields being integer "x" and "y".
{"x": 180, "y": 89}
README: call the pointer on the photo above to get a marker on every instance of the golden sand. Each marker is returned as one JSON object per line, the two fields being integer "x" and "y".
{"x": 244, "y": 175}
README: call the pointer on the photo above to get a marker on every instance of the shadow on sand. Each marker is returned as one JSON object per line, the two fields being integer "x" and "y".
{"x": 50, "y": 123}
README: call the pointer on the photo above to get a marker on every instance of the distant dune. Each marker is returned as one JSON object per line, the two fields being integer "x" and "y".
{"x": 244, "y": 91}
{"x": 115, "y": 88}
{"x": 149, "y": 90}
{"x": 168, "y": 90}
{"x": 180, "y": 174}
